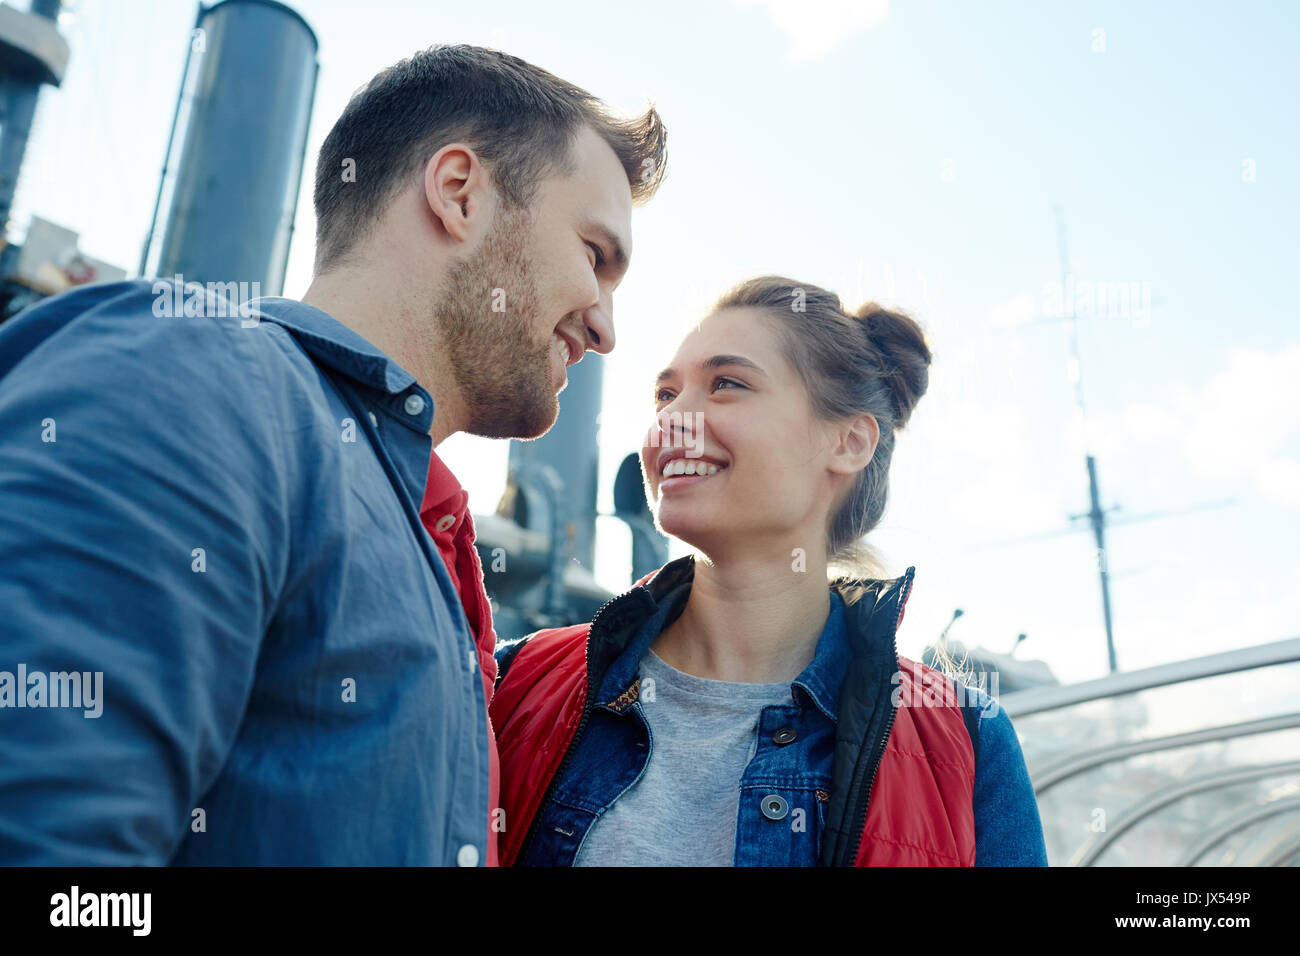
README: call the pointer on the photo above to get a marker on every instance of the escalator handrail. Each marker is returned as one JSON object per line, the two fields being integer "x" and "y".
{"x": 1095, "y": 845}
{"x": 1076, "y": 763}
{"x": 1237, "y": 824}
{"x": 1038, "y": 699}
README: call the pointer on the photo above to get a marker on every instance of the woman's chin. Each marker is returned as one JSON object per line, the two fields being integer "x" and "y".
{"x": 685, "y": 523}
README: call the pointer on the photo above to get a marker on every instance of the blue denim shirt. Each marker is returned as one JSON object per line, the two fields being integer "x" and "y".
{"x": 204, "y": 511}
{"x": 616, "y": 745}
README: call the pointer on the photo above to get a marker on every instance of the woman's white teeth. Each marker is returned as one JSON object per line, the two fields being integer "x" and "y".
{"x": 680, "y": 466}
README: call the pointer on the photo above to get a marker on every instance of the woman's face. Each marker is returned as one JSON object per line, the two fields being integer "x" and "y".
{"x": 731, "y": 408}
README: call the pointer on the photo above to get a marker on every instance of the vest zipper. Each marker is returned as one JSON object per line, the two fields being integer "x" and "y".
{"x": 884, "y": 738}
{"x": 582, "y": 725}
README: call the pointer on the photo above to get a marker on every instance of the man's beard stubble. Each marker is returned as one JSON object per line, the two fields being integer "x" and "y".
{"x": 504, "y": 376}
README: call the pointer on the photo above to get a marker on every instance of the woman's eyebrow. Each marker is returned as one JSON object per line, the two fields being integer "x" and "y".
{"x": 715, "y": 361}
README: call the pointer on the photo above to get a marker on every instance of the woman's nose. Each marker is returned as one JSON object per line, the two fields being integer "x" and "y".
{"x": 677, "y": 424}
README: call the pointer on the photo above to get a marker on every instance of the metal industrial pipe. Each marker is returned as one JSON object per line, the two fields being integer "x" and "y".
{"x": 570, "y": 448}
{"x": 32, "y": 54}
{"x": 235, "y": 188}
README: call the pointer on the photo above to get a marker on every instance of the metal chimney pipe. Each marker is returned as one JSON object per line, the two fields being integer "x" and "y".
{"x": 252, "y": 77}
{"x": 570, "y": 448}
{"x": 35, "y": 54}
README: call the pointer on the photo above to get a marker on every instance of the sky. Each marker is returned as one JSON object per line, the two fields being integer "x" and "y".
{"x": 914, "y": 154}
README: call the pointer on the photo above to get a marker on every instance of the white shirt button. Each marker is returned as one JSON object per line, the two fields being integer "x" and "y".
{"x": 373, "y": 420}
{"x": 467, "y": 855}
{"x": 414, "y": 404}
{"x": 445, "y": 522}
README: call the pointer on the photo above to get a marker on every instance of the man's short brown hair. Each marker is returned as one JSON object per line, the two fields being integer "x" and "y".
{"x": 519, "y": 118}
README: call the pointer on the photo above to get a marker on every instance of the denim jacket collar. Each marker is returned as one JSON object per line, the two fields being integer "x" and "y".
{"x": 820, "y": 681}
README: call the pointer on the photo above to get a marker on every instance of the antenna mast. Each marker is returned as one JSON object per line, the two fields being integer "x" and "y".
{"x": 1096, "y": 514}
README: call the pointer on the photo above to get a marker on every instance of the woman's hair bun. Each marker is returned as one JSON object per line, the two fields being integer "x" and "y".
{"x": 904, "y": 355}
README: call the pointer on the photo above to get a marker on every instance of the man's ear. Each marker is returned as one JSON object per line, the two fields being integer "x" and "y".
{"x": 457, "y": 190}
{"x": 855, "y": 445}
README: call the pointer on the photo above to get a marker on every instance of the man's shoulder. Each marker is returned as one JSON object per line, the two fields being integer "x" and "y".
{"x": 156, "y": 298}
{"x": 120, "y": 356}
{"x": 207, "y": 333}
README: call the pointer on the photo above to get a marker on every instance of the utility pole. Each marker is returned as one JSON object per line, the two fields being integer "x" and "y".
{"x": 1096, "y": 514}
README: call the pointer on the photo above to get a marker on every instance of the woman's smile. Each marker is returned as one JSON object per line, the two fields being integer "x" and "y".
{"x": 682, "y": 472}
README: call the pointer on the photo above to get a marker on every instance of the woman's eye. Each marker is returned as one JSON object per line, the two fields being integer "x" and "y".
{"x": 666, "y": 395}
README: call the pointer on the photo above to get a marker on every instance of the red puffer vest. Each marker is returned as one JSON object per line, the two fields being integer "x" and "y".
{"x": 906, "y": 800}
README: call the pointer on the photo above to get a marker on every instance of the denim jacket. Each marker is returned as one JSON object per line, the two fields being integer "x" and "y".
{"x": 616, "y": 747}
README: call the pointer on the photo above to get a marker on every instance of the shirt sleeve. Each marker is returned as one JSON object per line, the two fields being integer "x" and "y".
{"x": 1008, "y": 829}
{"x": 142, "y": 546}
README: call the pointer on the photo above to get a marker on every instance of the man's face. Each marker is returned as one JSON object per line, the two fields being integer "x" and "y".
{"x": 537, "y": 294}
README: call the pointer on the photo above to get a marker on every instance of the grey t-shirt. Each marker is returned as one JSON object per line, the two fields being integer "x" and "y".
{"x": 682, "y": 810}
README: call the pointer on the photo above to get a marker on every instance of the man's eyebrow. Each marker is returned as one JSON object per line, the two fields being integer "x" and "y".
{"x": 616, "y": 254}
{"x": 715, "y": 361}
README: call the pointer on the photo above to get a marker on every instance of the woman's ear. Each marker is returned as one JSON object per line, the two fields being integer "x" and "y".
{"x": 855, "y": 445}
{"x": 455, "y": 186}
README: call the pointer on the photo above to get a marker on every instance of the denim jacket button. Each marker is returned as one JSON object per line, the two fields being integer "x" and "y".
{"x": 774, "y": 806}
{"x": 784, "y": 736}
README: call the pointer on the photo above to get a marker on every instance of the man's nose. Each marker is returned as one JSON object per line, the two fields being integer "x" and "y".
{"x": 599, "y": 323}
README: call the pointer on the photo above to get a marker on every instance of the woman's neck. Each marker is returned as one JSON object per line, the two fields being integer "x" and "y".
{"x": 751, "y": 621}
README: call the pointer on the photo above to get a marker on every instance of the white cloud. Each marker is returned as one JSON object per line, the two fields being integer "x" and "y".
{"x": 1246, "y": 415}
{"x": 816, "y": 27}
{"x": 1243, "y": 425}
{"x": 975, "y": 470}
{"x": 1013, "y": 313}
{"x": 1279, "y": 480}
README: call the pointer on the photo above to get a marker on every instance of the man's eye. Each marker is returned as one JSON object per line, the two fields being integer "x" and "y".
{"x": 600, "y": 256}
{"x": 728, "y": 381}
{"x": 659, "y": 395}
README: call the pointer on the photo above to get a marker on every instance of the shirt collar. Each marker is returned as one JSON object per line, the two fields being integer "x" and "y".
{"x": 330, "y": 342}
{"x": 443, "y": 498}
